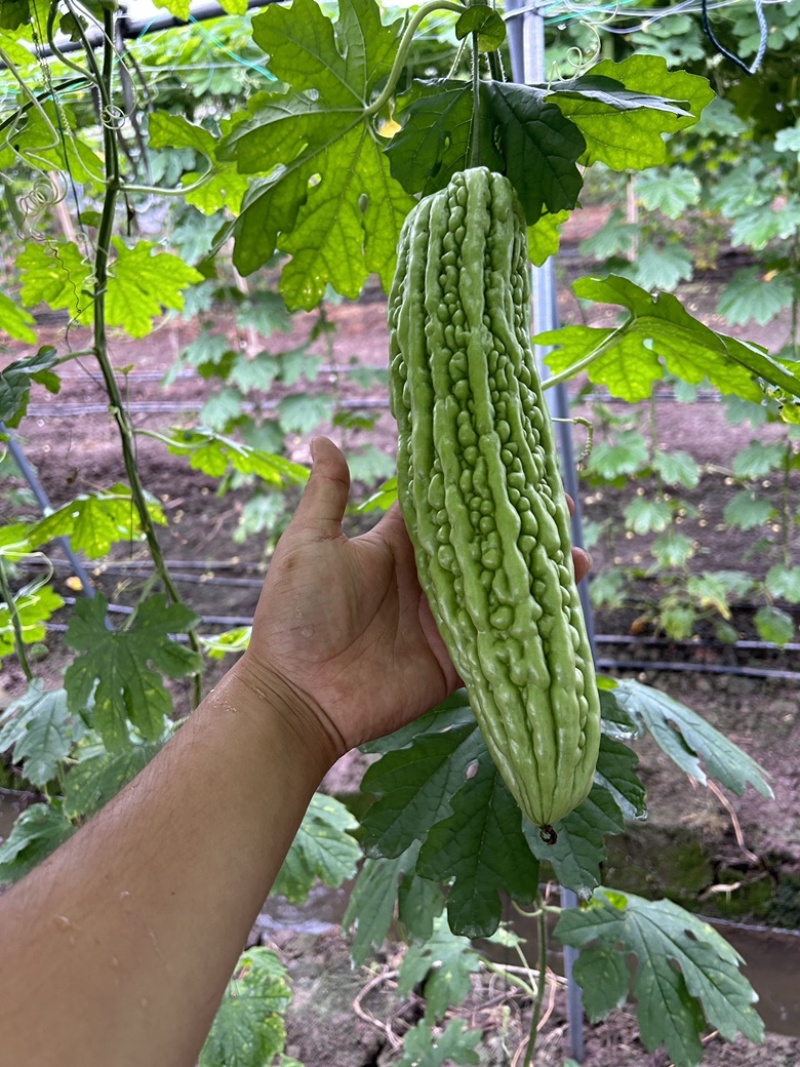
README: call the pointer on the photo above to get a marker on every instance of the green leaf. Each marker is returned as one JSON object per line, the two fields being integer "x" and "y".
{"x": 48, "y": 141}
{"x": 36, "y": 731}
{"x": 99, "y": 775}
{"x": 616, "y": 772}
{"x": 677, "y": 468}
{"x": 33, "y": 605}
{"x": 15, "y": 321}
{"x": 370, "y": 909}
{"x": 669, "y": 191}
{"x": 626, "y": 454}
{"x": 15, "y": 383}
{"x": 747, "y": 511}
{"x": 534, "y": 137}
{"x": 775, "y": 625}
{"x": 480, "y": 847}
{"x": 784, "y": 583}
{"x": 660, "y": 265}
{"x": 634, "y": 139}
{"x": 758, "y": 226}
{"x": 687, "y": 977}
{"x": 422, "y": 1047}
{"x": 579, "y": 851}
{"x": 544, "y": 237}
{"x": 323, "y": 849}
{"x": 672, "y": 549}
{"x": 382, "y": 499}
{"x": 221, "y": 410}
{"x": 414, "y": 787}
{"x": 435, "y": 140}
{"x": 420, "y": 902}
{"x": 453, "y": 712}
{"x": 486, "y": 22}
{"x": 301, "y": 413}
{"x": 95, "y": 521}
{"x": 14, "y": 14}
{"x": 685, "y": 737}
{"x": 444, "y": 963}
{"x": 38, "y": 831}
{"x": 604, "y": 976}
{"x": 215, "y": 454}
{"x": 678, "y": 620}
{"x": 752, "y": 296}
{"x": 142, "y": 283}
{"x": 112, "y": 676}
{"x": 248, "y": 1029}
{"x": 329, "y": 200}
{"x": 57, "y": 274}
{"x": 759, "y": 459}
{"x": 659, "y": 334}
{"x": 643, "y": 515}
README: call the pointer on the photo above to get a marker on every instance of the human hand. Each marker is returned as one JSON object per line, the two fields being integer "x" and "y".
{"x": 343, "y": 623}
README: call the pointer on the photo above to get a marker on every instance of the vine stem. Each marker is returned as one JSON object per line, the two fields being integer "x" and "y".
{"x": 585, "y": 361}
{"x": 475, "y": 147}
{"x": 16, "y": 622}
{"x": 406, "y": 40}
{"x": 539, "y": 1001}
{"x": 113, "y": 187}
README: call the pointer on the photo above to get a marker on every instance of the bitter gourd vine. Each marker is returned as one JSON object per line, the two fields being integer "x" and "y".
{"x": 481, "y": 494}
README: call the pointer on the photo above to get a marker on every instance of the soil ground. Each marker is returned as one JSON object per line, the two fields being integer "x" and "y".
{"x": 74, "y": 449}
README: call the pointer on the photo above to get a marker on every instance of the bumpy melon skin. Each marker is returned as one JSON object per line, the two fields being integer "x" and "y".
{"x": 481, "y": 493}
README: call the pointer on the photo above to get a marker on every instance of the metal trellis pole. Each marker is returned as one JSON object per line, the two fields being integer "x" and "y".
{"x": 526, "y": 38}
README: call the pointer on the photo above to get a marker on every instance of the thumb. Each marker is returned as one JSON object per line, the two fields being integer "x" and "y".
{"x": 321, "y": 508}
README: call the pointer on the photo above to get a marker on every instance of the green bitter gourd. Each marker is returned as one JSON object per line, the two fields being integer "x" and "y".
{"x": 481, "y": 494}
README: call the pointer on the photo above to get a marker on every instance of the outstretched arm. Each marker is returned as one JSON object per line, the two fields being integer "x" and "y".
{"x": 119, "y": 946}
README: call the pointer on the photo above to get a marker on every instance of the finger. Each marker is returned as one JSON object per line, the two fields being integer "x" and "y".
{"x": 324, "y": 500}
{"x": 582, "y": 563}
{"x": 570, "y": 504}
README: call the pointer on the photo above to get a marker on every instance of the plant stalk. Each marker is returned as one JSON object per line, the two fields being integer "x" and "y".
{"x": 403, "y": 49}
{"x": 539, "y": 1001}
{"x": 118, "y": 409}
{"x": 475, "y": 147}
{"x": 16, "y": 622}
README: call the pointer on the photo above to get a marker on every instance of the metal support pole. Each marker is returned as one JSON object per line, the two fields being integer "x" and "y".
{"x": 526, "y": 38}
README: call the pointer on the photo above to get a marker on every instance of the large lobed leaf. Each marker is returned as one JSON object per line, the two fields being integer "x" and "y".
{"x": 329, "y": 199}
{"x": 95, "y": 521}
{"x": 248, "y": 1030}
{"x": 659, "y": 335}
{"x": 36, "y": 730}
{"x": 323, "y": 849}
{"x": 537, "y": 135}
{"x": 38, "y": 831}
{"x": 684, "y": 736}
{"x": 16, "y": 379}
{"x": 111, "y": 680}
{"x": 687, "y": 977}
{"x": 443, "y": 814}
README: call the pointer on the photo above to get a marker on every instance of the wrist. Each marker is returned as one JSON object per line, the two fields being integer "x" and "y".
{"x": 306, "y": 724}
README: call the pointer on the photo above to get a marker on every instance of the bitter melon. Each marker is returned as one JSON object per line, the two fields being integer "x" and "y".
{"x": 481, "y": 494}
